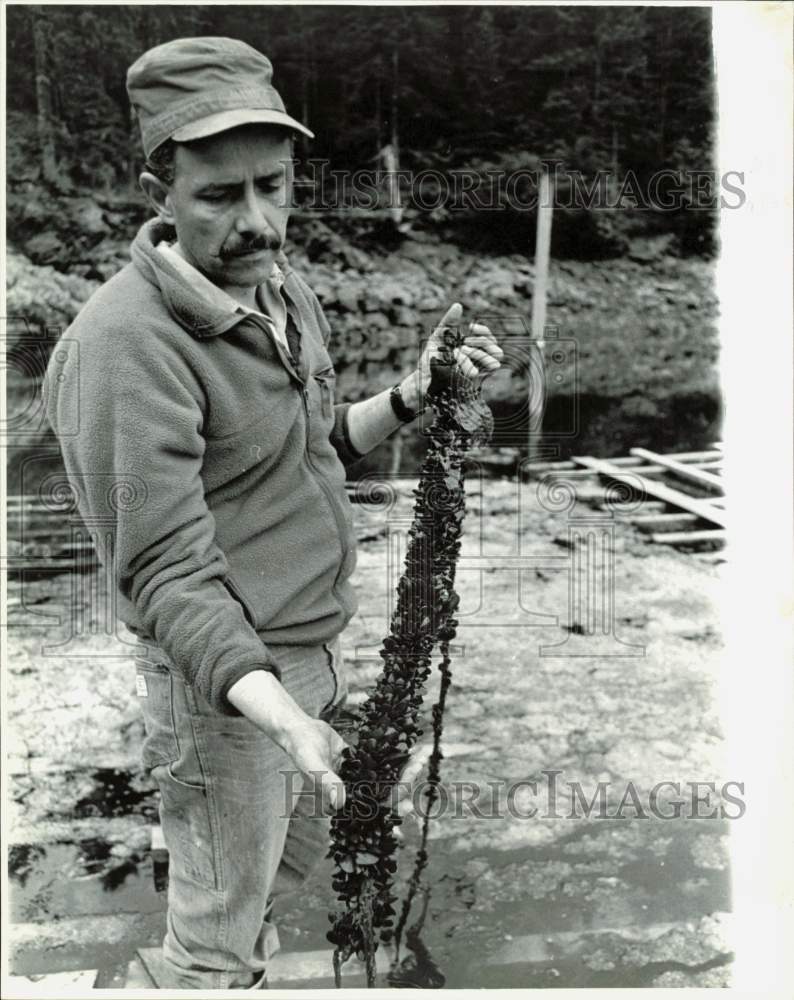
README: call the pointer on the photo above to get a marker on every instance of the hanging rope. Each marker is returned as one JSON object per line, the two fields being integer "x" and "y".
{"x": 363, "y": 844}
{"x": 431, "y": 795}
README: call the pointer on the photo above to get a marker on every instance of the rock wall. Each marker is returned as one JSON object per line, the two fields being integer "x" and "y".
{"x": 634, "y": 360}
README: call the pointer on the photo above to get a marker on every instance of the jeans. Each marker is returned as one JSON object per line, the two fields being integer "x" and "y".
{"x": 237, "y": 829}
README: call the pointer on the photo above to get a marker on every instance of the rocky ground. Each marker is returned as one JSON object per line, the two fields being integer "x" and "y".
{"x": 622, "y": 897}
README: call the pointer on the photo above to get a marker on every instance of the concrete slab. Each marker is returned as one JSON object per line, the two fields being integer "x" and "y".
{"x": 298, "y": 966}
{"x": 50, "y": 985}
{"x": 96, "y": 931}
{"x": 137, "y": 977}
{"x": 63, "y": 945}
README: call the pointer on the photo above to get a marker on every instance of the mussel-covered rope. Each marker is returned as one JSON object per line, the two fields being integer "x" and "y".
{"x": 431, "y": 795}
{"x": 362, "y": 833}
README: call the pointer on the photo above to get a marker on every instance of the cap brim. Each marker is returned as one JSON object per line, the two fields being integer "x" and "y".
{"x": 223, "y": 120}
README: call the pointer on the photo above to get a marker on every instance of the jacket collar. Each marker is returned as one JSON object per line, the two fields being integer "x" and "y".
{"x": 201, "y": 316}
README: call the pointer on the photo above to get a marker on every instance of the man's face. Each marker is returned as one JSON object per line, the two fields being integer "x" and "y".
{"x": 229, "y": 203}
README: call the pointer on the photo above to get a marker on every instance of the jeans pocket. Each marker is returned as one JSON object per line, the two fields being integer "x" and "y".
{"x": 187, "y": 827}
{"x": 336, "y": 663}
{"x": 154, "y": 687}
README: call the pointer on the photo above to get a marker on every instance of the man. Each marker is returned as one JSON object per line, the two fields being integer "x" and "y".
{"x": 206, "y": 397}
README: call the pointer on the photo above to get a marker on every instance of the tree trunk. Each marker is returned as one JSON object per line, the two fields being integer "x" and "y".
{"x": 391, "y": 153}
{"x": 615, "y": 149}
{"x": 378, "y": 116}
{"x": 44, "y": 98}
{"x": 597, "y": 81}
{"x": 614, "y": 173}
{"x": 392, "y": 168}
{"x": 663, "y": 95}
{"x": 308, "y": 76}
{"x": 132, "y": 151}
{"x": 395, "y": 86}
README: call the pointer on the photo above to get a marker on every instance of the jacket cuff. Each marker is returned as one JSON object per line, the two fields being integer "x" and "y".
{"x": 340, "y": 435}
{"x": 228, "y": 678}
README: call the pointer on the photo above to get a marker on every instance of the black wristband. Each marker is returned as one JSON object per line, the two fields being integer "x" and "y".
{"x": 401, "y": 411}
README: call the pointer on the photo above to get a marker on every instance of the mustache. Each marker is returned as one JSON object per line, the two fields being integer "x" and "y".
{"x": 249, "y": 246}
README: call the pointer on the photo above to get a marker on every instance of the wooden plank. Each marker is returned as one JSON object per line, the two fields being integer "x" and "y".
{"x": 491, "y": 458}
{"x": 550, "y": 466}
{"x": 625, "y": 460}
{"x": 56, "y": 550}
{"x": 562, "y": 465}
{"x": 690, "y": 537}
{"x": 41, "y": 513}
{"x": 703, "y": 508}
{"x": 27, "y": 503}
{"x": 34, "y": 500}
{"x": 542, "y": 253}
{"x": 568, "y": 473}
{"x": 664, "y": 522}
{"x": 539, "y": 295}
{"x": 695, "y": 456}
{"x": 681, "y": 469}
{"x": 50, "y": 566}
{"x": 60, "y": 533}
{"x": 36, "y": 510}
{"x": 576, "y": 472}
{"x": 29, "y": 497}
{"x": 647, "y": 470}
{"x": 629, "y": 510}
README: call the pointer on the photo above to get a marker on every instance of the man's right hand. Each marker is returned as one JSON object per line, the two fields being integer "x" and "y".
{"x": 316, "y": 749}
{"x": 312, "y": 744}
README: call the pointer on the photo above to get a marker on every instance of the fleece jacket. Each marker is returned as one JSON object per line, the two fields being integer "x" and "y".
{"x": 217, "y": 464}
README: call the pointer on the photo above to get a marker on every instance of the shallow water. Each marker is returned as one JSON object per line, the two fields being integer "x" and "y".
{"x": 58, "y": 881}
{"x": 488, "y": 911}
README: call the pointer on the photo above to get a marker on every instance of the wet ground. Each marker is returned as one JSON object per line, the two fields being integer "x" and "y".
{"x": 554, "y": 693}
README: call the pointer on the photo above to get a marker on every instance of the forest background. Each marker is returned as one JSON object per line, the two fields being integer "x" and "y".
{"x": 622, "y": 94}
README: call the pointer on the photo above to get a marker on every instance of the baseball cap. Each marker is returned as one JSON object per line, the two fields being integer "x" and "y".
{"x": 190, "y": 88}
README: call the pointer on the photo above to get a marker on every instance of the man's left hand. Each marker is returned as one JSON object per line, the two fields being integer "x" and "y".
{"x": 479, "y": 354}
